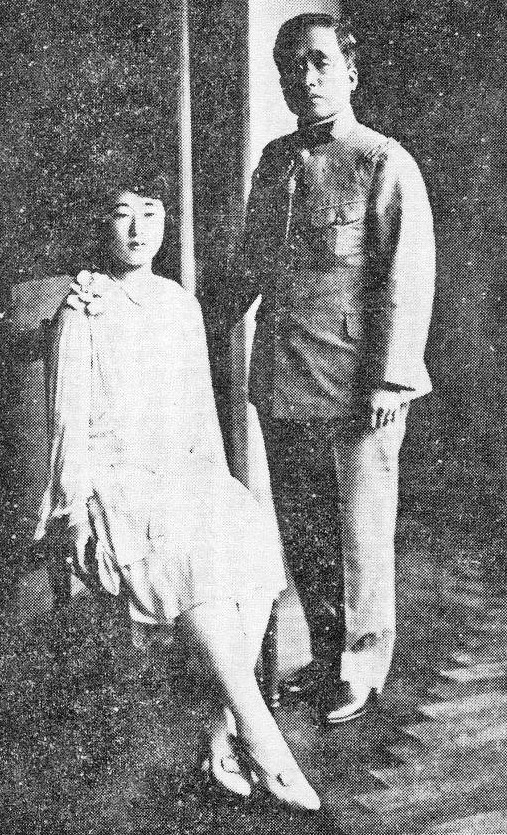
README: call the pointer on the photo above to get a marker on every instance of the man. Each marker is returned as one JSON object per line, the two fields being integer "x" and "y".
{"x": 339, "y": 242}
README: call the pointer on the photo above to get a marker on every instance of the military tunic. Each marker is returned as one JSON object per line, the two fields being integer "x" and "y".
{"x": 339, "y": 242}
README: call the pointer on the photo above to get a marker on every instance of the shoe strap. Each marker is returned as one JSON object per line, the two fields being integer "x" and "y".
{"x": 285, "y": 779}
{"x": 230, "y": 764}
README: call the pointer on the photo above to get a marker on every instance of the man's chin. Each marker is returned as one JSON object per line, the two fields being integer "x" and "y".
{"x": 314, "y": 113}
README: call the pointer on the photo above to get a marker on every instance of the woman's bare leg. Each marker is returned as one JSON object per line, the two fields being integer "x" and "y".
{"x": 254, "y": 616}
{"x": 215, "y": 629}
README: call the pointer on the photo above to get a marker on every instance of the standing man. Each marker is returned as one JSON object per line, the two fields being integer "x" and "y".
{"x": 339, "y": 242}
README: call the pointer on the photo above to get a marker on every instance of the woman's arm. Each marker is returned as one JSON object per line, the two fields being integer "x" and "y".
{"x": 68, "y": 389}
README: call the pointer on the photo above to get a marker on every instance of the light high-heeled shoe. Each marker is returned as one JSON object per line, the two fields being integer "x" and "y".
{"x": 225, "y": 771}
{"x": 222, "y": 765}
{"x": 289, "y": 785}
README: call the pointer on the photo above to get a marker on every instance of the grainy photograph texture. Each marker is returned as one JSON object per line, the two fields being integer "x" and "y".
{"x": 253, "y": 417}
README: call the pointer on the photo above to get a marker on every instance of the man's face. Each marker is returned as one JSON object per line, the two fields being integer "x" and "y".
{"x": 315, "y": 78}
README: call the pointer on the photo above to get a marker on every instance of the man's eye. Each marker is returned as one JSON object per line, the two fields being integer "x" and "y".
{"x": 116, "y": 215}
{"x": 290, "y": 72}
{"x": 149, "y": 214}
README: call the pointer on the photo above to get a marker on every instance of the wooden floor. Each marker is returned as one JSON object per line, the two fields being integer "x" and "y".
{"x": 108, "y": 743}
{"x": 451, "y": 775}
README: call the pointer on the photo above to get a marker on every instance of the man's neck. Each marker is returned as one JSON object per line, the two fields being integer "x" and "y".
{"x": 335, "y": 126}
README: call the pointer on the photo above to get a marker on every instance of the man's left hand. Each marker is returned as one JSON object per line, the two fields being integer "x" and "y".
{"x": 383, "y": 407}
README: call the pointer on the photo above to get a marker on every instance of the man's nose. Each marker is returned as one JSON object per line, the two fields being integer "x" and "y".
{"x": 310, "y": 75}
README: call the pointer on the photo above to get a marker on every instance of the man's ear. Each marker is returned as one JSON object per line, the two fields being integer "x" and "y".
{"x": 353, "y": 78}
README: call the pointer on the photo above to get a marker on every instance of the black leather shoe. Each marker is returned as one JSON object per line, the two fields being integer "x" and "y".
{"x": 306, "y": 680}
{"x": 352, "y": 708}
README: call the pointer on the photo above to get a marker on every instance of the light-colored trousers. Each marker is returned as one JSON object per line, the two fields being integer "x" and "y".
{"x": 335, "y": 485}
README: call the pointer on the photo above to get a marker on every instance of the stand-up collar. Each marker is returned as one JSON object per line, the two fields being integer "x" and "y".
{"x": 337, "y": 126}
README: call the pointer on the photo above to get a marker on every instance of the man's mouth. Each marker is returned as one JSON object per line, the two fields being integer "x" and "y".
{"x": 136, "y": 244}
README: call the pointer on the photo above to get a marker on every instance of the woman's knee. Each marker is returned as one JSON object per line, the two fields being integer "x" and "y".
{"x": 214, "y": 627}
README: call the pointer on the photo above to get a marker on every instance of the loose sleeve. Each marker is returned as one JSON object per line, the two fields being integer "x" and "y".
{"x": 402, "y": 252}
{"x": 68, "y": 380}
{"x": 208, "y": 426}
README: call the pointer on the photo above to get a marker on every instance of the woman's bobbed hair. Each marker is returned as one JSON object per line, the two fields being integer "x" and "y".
{"x": 144, "y": 181}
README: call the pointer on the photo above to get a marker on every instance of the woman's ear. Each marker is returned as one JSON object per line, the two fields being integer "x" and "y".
{"x": 353, "y": 78}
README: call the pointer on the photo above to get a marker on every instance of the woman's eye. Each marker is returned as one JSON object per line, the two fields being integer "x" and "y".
{"x": 118, "y": 215}
{"x": 149, "y": 214}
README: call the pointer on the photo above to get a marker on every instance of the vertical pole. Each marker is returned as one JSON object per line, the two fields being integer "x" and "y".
{"x": 245, "y": 447}
{"x": 187, "y": 255}
{"x": 239, "y": 352}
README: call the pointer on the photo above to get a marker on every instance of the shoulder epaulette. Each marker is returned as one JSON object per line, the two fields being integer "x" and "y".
{"x": 370, "y": 143}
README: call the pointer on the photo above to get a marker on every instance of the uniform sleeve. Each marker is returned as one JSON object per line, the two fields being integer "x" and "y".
{"x": 68, "y": 380}
{"x": 402, "y": 251}
{"x": 252, "y": 260}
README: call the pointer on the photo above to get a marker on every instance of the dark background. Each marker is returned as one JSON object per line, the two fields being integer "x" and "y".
{"x": 86, "y": 87}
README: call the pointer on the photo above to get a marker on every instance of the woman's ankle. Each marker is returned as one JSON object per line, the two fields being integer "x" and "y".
{"x": 230, "y": 721}
{"x": 222, "y": 730}
{"x": 269, "y": 750}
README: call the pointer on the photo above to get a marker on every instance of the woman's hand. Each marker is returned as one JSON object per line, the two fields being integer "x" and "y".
{"x": 87, "y": 292}
{"x": 79, "y": 535}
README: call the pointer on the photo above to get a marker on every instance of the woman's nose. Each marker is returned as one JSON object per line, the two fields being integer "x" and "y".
{"x": 133, "y": 226}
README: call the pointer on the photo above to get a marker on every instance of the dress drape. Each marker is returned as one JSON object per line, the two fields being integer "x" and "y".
{"x": 137, "y": 453}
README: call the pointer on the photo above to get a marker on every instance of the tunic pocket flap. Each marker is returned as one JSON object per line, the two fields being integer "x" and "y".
{"x": 337, "y": 215}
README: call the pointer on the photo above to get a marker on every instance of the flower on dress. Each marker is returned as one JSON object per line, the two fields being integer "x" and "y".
{"x": 88, "y": 291}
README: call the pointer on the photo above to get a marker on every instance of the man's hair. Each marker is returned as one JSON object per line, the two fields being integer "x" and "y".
{"x": 290, "y": 32}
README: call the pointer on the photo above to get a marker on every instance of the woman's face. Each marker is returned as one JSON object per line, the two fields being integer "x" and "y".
{"x": 135, "y": 228}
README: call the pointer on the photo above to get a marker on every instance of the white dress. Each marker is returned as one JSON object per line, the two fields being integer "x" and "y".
{"x": 136, "y": 449}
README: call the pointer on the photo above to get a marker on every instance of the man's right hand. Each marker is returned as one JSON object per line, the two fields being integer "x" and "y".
{"x": 86, "y": 292}
{"x": 383, "y": 407}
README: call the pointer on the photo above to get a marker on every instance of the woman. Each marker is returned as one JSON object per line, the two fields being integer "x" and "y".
{"x": 137, "y": 464}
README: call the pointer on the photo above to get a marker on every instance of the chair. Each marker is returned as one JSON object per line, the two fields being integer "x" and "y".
{"x": 33, "y": 305}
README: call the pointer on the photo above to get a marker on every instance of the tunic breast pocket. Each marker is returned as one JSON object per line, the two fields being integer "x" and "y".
{"x": 340, "y": 229}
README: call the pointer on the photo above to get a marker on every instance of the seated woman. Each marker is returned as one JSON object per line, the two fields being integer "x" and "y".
{"x": 138, "y": 465}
